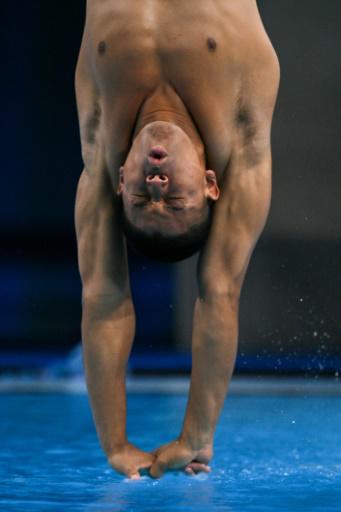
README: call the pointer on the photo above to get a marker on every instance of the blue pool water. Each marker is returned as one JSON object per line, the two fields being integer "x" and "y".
{"x": 271, "y": 454}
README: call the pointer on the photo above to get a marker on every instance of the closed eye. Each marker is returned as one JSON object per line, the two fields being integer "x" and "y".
{"x": 170, "y": 203}
{"x": 174, "y": 207}
{"x": 176, "y": 203}
{"x": 139, "y": 199}
{"x": 140, "y": 204}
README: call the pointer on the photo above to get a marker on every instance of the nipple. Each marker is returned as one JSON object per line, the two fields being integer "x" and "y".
{"x": 211, "y": 44}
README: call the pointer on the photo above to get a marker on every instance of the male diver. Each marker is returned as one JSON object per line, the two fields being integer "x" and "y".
{"x": 175, "y": 101}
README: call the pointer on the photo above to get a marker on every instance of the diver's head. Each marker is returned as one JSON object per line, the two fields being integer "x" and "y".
{"x": 166, "y": 193}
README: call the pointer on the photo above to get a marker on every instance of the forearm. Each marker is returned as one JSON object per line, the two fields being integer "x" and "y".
{"x": 107, "y": 332}
{"x": 214, "y": 346}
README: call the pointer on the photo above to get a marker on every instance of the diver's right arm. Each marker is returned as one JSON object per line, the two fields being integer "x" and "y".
{"x": 108, "y": 318}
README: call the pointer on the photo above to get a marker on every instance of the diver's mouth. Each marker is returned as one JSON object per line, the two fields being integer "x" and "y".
{"x": 156, "y": 161}
{"x": 157, "y": 153}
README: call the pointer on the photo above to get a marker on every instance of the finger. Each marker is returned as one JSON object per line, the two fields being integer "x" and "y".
{"x": 189, "y": 471}
{"x": 147, "y": 464}
{"x": 202, "y": 460}
{"x": 198, "y": 467}
{"x": 133, "y": 475}
{"x": 157, "y": 469}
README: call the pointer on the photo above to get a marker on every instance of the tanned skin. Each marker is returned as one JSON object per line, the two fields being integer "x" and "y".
{"x": 208, "y": 72}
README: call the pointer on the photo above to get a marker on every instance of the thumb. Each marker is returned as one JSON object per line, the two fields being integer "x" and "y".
{"x": 158, "y": 468}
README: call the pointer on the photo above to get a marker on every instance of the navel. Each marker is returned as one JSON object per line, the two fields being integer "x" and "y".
{"x": 211, "y": 44}
{"x": 102, "y": 47}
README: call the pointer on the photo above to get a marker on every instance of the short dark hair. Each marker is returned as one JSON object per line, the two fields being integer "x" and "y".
{"x": 165, "y": 247}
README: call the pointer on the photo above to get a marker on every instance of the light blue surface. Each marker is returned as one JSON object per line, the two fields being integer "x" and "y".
{"x": 271, "y": 454}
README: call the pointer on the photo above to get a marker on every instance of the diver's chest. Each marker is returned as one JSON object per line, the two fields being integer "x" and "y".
{"x": 137, "y": 44}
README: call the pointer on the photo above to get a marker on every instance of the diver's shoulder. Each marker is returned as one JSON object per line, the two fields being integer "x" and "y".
{"x": 256, "y": 53}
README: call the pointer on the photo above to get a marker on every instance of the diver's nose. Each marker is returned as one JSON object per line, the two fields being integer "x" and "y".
{"x": 157, "y": 185}
{"x": 158, "y": 180}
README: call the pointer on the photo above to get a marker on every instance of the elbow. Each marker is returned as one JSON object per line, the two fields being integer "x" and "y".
{"x": 106, "y": 306}
{"x": 227, "y": 291}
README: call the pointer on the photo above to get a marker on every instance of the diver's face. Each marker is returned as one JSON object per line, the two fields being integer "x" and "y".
{"x": 163, "y": 183}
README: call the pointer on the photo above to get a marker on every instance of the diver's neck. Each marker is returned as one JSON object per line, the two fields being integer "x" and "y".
{"x": 165, "y": 105}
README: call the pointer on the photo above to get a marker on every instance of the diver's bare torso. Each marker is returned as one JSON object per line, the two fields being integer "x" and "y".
{"x": 200, "y": 60}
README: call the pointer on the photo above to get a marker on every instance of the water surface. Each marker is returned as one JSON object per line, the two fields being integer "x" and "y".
{"x": 271, "y": 453}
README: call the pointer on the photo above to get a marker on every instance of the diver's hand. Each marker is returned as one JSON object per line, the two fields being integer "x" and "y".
{"x": 179, "y": 455}
{"x": 128, "y": 459}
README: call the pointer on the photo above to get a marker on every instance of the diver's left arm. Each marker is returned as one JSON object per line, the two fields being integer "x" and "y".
{"x": 238, "y": 220}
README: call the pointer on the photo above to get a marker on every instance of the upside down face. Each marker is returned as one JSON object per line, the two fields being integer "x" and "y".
{"x": 164, "y": 185}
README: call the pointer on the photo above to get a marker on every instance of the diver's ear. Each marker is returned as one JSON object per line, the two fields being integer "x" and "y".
{"x": 121, "y": 181}
{"x": 212, "y": 190}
